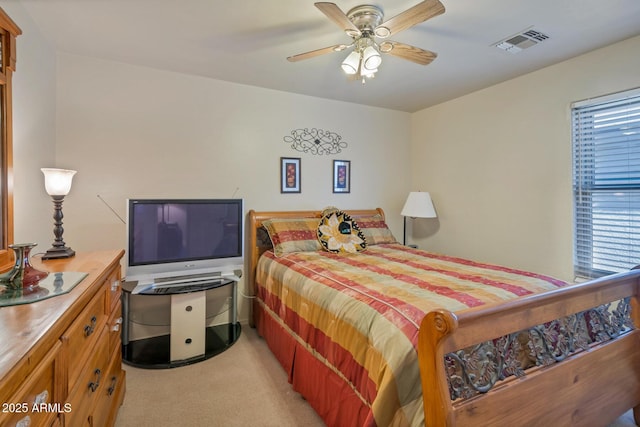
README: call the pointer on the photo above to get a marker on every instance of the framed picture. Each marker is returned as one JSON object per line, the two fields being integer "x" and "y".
{"x": 341, "y": 176}
{"x": 290, "y": 174}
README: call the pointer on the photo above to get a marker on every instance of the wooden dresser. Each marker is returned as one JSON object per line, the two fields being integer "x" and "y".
{"x": 63, "y": 353}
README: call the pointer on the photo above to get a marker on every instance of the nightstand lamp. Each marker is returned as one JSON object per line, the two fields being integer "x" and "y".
{"x": 57, "y": 182}
{"x": 418, "y": 205}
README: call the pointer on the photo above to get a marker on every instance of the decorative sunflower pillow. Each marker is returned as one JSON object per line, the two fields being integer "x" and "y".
{"x": 339, "y": 233}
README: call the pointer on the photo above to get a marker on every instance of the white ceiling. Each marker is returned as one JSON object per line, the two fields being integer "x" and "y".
{"x": 248, "y": 41}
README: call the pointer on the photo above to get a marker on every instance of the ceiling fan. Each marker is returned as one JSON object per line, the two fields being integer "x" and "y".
{"x": 364, "y": 24}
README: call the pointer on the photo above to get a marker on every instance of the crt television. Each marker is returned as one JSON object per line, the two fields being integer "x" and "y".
{"x": 173, "y": 237}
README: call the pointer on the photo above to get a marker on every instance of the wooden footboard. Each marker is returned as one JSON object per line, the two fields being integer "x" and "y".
{"x": 590, "y": 387}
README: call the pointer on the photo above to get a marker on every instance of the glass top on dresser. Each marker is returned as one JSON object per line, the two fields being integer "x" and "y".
{"x": 51, "y": 286}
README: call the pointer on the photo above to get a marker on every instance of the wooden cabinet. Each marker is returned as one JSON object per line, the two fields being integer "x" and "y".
{"x": 60, "y": 362}
{"x": 38, "y": 388}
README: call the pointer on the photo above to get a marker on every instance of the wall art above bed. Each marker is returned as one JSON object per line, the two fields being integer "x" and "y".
{"x": 315, "y": 141}
{"x": 341, "y": 176}
{"x": 290, "y": 174}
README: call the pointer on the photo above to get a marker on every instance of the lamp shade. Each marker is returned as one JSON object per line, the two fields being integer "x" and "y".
{"x": 57, "y": 182}
{"x": 419, "y": 205}
{"x": 371, "y": 59}
{"x": 351, "y": 63}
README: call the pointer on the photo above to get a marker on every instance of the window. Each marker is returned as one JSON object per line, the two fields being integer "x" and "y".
{"x": 606, "y": 184}
{"x": 8, "y": 33}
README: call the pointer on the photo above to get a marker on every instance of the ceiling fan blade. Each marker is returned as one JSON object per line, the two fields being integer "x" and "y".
{"x": 336, "y": 14}
{"x": 411, "y": 53}
{"x": 317, "y": 52}
{"x": 410, "y": 17}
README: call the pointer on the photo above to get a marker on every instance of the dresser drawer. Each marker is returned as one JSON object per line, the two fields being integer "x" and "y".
{"x": 111, "y": 393}
{"x": 37, "y": 402}
{"x": 83, "y": 334}
{"x": 93, "y": 377}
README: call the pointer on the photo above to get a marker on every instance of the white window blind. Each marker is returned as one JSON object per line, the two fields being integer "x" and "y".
{"x": 606, "y": 183}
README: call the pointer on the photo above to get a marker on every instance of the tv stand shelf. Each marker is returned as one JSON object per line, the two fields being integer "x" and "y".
{"x": 181, "y": 315}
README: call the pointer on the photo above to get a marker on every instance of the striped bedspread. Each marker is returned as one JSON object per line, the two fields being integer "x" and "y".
{"x": 360, "y": 313}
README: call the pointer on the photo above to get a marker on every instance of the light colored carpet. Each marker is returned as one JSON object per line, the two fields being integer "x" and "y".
{"x": 243, "y": 386}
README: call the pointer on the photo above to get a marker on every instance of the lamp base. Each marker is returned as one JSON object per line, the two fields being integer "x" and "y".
{"x": 55, "y": 253}
{"x": 404, "y": 231}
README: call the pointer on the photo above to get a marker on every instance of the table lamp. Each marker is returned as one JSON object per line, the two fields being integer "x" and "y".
{"x": 57, "y": 182}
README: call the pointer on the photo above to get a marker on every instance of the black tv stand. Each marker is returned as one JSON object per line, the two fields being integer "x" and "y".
{"x": 180, "y": 312}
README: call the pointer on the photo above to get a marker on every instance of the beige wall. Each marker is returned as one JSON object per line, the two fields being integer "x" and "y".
{"x": 498, "y": 162}
{"x": 138, "y": 132}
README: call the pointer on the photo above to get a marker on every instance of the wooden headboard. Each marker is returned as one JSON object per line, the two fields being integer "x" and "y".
{"x": 257, "y": 246}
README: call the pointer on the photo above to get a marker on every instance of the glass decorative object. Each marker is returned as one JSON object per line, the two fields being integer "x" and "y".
{"x": 22, "y": 275}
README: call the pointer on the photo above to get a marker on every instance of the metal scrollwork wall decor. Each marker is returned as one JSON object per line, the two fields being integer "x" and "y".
{"x": 315, "y": 141}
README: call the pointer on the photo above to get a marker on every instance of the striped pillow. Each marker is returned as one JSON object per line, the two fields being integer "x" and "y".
{"x": 293, "y": 235}
{"x": 375, "y": 230}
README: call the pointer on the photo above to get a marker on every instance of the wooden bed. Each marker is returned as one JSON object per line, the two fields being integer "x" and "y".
{"x": 586, "y": 386}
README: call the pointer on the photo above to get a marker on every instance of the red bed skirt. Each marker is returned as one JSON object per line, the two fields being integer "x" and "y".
{"x": 327, "y": 393}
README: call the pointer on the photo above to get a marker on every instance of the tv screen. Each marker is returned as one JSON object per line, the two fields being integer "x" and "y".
{"x": 176, "y": 235}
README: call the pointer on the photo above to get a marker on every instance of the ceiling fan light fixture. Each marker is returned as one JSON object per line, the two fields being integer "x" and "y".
{"x": 371, "y": 58}
{"x": 365, "y": 22}
{"x": 351, "y": 63}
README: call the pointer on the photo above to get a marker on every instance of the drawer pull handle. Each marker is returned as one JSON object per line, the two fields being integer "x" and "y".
{"x": 25, "y": 422}
{"x": 115, "y": 285}
{"x": 43, "y": 397}
{"x": 88, "y": 329}
{"x": 111, "y": 389}
{"x": 93, "y": 386}
{"x": 116, "y": 324}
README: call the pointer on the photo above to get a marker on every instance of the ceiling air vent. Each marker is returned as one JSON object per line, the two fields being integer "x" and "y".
{"x": 522, "y": 40}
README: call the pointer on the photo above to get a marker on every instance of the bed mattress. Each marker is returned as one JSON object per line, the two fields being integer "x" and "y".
{"x": 358, "y": 315}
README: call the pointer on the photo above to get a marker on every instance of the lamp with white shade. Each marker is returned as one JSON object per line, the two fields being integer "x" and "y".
{"x": 418, "y": 205}
{"x": 57, "y": 182}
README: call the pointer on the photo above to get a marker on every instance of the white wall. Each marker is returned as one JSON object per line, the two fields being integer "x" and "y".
{"x": 498, "y": 162}
{"x": 138, "y": 132}
{"x": 34, "y": 127}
